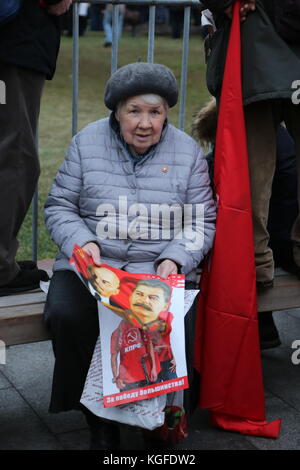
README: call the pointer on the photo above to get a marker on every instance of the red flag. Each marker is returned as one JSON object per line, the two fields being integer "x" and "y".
{"x": 228, "y": 351}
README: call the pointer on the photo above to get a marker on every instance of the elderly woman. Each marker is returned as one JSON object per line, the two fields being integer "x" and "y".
{"x": 120, "y": 175}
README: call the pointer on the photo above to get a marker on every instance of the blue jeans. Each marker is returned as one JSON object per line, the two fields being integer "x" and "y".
{"x": 107, "y": 25}
{"x": 166, "y": 373}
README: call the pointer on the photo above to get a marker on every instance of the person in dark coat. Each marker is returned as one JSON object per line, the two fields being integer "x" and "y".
{"x": 270, "y": 35}
{"x": 28, "y": 50}
{"x": 283, "y": 208}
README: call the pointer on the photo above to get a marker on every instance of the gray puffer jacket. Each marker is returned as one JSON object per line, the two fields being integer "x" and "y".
{"x": 98, "y": 188}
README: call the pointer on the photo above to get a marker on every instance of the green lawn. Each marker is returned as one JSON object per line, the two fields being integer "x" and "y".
{"x": 94, "y": 70}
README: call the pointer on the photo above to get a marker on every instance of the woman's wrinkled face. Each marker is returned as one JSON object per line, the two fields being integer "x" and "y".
{"x": 141, "y": 123}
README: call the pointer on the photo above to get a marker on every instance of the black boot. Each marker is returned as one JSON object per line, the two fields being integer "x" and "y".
{"x": 105, "y": 435}
{"x": 153, "y": 440}
{"x": 28, "y": 264}
{"x": 291, "y": 267}
{"x": 268, "y": 333}
{"x": 27, "y": 279}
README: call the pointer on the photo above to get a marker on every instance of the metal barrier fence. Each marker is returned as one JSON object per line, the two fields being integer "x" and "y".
{"x": 187, "y": 4}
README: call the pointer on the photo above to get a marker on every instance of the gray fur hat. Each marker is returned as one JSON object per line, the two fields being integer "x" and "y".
{"x": 140, "y": 78}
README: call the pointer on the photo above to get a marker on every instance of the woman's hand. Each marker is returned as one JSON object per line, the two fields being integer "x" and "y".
{"x": 93, "y": 250}
{"x": 166, "y": 268}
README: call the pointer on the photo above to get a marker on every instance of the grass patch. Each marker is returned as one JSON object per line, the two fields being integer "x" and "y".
{"x": 94, "y": 70}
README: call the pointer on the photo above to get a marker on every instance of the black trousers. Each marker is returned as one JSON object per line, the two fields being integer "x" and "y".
{"x": 71, "y": 314}
{"x": 19, "y": 163}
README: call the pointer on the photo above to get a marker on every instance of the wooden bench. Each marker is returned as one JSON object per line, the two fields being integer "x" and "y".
{"x": 21, "y": 316}
{"x": 285, "y": 294}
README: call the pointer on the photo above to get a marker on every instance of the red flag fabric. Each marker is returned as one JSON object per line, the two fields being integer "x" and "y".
{"x": 227, "y": 347}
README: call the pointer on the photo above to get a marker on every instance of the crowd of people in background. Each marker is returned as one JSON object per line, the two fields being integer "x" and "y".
{"x": 98, "y": 17}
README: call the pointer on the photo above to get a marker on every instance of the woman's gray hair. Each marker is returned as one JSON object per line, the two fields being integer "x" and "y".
{"x": 150, "y": 98}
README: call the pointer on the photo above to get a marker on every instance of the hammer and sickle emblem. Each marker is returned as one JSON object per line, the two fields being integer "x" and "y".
{"x": 132, "y": 336}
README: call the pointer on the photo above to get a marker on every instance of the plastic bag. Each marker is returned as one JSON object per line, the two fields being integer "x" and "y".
{"x": 147, "y": 414}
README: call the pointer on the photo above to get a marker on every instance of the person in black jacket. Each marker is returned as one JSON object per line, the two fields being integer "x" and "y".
{"x": 270, "y": 40}
{"x": 29, "y": 46}
{"x": 283, "y": 203}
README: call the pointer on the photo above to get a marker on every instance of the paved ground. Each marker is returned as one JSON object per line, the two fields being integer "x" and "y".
{"x": 25, "y": 383}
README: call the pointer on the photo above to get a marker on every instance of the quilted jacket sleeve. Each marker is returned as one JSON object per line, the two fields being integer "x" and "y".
{"x": 199, "y": 221}
{"x": 62, "y": 213}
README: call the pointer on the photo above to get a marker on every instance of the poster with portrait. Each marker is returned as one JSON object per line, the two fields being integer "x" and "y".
{"x": 141, "y": 319}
